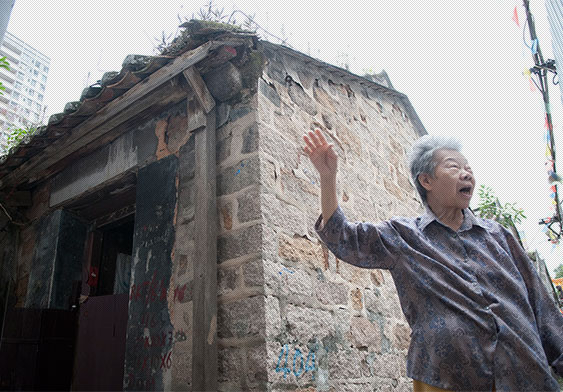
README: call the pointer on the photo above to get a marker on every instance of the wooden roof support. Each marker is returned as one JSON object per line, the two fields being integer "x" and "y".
{"x": 200, "y": 89}
{"x": 201, "y": 115}
{"x": 204, "y": 346}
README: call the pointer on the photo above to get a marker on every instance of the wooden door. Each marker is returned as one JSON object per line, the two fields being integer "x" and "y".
{"x": 100, "y": 348}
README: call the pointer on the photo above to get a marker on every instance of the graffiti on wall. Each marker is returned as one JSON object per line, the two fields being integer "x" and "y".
{"x": 299, "y": 366}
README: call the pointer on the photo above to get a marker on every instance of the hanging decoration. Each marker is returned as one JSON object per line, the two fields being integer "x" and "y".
{"x": 515, "y": 16}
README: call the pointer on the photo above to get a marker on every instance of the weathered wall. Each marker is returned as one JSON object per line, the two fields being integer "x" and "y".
{"x": 240, "y": 311}
{"x": 8, "y": 243}
{"x": 149, "y": 331}
{"x": 147, "y": 141}
{"x": 329, "y": 325}
{"x": 57, "y": 260}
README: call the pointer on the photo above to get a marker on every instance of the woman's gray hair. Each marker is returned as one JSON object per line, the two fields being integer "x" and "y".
{"x": 421, "y": 157}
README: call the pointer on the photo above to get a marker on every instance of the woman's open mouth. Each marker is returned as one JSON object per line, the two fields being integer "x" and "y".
{"x": 466, "y": 191}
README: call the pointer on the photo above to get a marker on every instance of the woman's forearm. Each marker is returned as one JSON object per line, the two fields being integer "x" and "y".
{"x": 329, "y": 202}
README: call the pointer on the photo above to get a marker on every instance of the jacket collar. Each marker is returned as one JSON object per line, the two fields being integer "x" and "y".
{"x": 469, "y": 220}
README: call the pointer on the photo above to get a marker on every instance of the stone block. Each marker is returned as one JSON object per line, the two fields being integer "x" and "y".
{"x": 383, "y": 300}
{"x": 223, "y": 82}
{"x": 401, "y": 336}
{"x": 307, "y": 323}
{"x": 329, "y": 293}
{"x": 239, "y": 242}
{"x": 249, "y": 205}
{"x": 281, "y": 215}
{"x": 250, "y": 139}
{"x": 349, "y": 386}
{"x": 222, "y": 114}
{"x": 268, "y": 90}
{"x": 377, "y": 277}
{"x": 295, "y": 282}
{"x": 235, "y": 178}
{"x": 301, "y": 250}
{"x": 301, "y": 98}
{"x": 257, "y": 364}
{"x": 226, "y": 280}
{"x": 345, "y": 364}
{"x": 356, "y": 299}
{"x": 223, "y": 149}
{"x": 357, "y": 276}
{"x": 278, "y": 145}
{"x": 242, "y": 318}
{"x": 325, "y": 100}
{"x": 253, "y": 273}
{"x": 394, "y": 189}
{"x": 273, "y": 316}
{"x": 389, "y": 365}
{"x": 225, "y": 214}
{"x": 363, "y": 333}
{"x": 230, "y": 361}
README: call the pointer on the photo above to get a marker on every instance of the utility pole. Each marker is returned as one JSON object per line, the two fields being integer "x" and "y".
{"x": 541, "y": 69}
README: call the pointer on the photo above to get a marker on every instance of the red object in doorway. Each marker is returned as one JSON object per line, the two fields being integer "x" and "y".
{"x": 93, "y": 277}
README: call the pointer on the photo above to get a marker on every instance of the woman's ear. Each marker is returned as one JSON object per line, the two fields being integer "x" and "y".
{"x": 425, "y": 180}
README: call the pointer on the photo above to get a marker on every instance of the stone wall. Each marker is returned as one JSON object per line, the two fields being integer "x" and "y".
{"x": 329, "y": 325}
{"x": 241, "y": 305}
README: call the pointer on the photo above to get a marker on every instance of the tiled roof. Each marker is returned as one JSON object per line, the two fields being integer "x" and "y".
{"x": 218, "y": 40}
{"x": 135, "y": 68}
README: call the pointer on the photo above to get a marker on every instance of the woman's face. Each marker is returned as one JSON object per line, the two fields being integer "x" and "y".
{"x": 453, "y": 182}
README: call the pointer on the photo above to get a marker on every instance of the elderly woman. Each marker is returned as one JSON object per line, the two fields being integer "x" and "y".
{"x": 480, "y": 317}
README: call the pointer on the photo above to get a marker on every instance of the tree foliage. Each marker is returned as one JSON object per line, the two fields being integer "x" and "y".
{"x": 3, "y": 64}
{"x": 559, "y": 271}
{"x": 15, "y": 135}
{"x": 490, "y": 208}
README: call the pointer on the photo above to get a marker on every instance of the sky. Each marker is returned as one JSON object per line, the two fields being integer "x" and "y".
{"x": 460, "y": 63}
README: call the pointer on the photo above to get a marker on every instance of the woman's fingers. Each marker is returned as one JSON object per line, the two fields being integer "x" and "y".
{"x": 309, "y": 143}
{"x": 320, "y": 136}
{"x": 315, "y": 138}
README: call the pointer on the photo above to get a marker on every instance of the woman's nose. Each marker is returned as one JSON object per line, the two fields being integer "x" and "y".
{"x": 466, "y": 175}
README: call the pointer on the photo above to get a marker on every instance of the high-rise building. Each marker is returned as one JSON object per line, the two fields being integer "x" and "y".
{"x": 22, "y": 102}
{"x": 6, "y": 7}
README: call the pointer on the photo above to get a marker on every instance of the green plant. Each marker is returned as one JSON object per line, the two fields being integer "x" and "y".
{"x": 3, "y": 64}
{"x": 490, "y": 208}
{"x": 16, "y": 135}
{"x": 559, "y": 271}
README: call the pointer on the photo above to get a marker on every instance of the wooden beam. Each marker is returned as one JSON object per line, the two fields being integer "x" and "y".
{"x": 118, "y": 110}
{"x": 204, "y": 362}
{"x": 197, "y": 118}
{"x": 202, "y": 94}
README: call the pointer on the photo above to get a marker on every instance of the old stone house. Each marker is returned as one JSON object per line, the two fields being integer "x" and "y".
{"x": 159, "y": 234}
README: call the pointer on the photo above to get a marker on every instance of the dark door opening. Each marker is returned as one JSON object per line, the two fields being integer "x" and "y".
{"x": 102, "y": 326}
{"x": 114, "y": 261}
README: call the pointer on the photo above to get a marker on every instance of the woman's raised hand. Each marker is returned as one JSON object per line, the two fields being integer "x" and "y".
{"x": 321, "y": 153}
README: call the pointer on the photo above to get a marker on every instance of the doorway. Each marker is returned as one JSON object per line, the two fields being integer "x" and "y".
{"x": 103, "y": 307}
